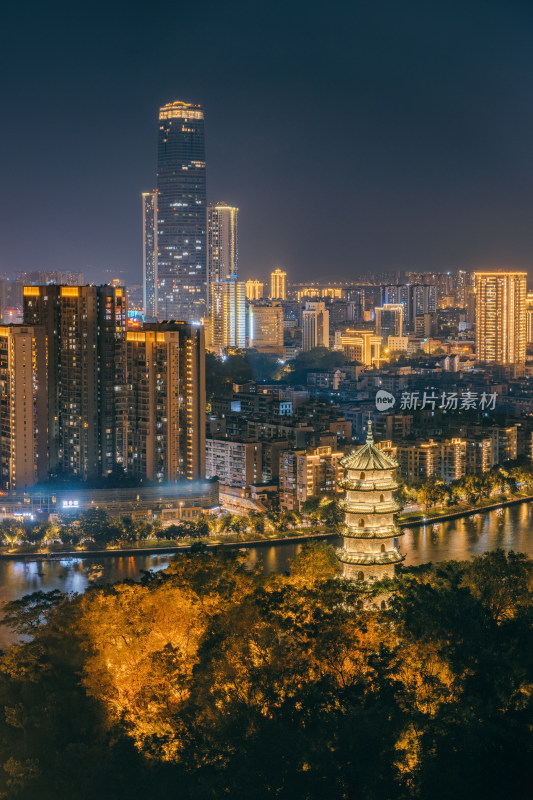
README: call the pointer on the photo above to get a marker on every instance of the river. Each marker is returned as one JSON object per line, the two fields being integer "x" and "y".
{"x": 510, "y": 528}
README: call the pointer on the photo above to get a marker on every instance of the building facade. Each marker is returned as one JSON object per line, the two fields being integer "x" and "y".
{"x": 85, "y": 328}
{"x": 149, "y": 223}
{"x": 228, "y": 315}
{"x": 278, "y": 284}
{"x": 234, "y": 463}
{"x": 23, "y": 407}
{"x": 181, "y": 186}
{"x": 315, "y": 326}
{"x": 308, "y": 473}
{"x": 254, "y": 290}
{"x": 222, "y": 244}
{"x": 501, "y": 318}
{"x": 265, "y": 326}
{"x": 166, "y": 403}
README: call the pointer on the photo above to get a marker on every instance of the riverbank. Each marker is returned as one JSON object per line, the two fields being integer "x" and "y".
{"x": 241, "y": 541}
{"x": 158, "y": 548}
{"x": 442, "y": 515}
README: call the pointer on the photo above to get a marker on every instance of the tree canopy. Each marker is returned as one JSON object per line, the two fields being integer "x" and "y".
{"x": 209, "y": 680}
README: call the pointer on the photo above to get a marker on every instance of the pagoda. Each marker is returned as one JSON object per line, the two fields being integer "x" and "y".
{"x": 369, "y": 552}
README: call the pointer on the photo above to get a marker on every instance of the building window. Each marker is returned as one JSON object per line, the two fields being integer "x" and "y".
{"x": 360, "y": 576}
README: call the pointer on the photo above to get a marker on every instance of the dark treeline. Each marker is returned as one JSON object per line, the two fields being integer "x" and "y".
{"x": 208, "y": 681}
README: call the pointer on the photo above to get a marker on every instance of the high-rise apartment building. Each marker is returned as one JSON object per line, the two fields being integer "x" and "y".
{"x": 278, "y": 284}
{"x": 265, "y": 328}
{"x": 254, "y": 290}
{"x": 149, "y": 222}
{"x": 501, "y": 318}
{"x": 315, "y": 326}
{"x": 181, "y": 186}
{"x": 23, "y": 412}
{"x": 166, "y": 402}
{"x": 529, "y": 318}
{"x": 85, "y": 328}
{"x": 228, "y": 315}
{"x": 222, "y": 244}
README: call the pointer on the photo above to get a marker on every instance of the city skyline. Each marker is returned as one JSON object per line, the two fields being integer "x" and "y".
{"x": 429, "y": 168}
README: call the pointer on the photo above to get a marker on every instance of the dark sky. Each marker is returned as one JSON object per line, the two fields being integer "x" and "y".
{"x": 353, "y": 136}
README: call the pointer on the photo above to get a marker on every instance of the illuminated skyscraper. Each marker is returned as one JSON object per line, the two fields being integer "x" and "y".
{"x": 254, "y": 290}
{"x": 278, "y": 284}
{"x": 166, "y": 402}
{"x": 501, "y": 318}
{"x": 181, "y": 186}
{"x": 23, "y": 413}
{"x": 315, "y": 326}
{"x": 228, "y": 315}
{"x": 85, "y": 330}
{"x": 222, "y": 244}
{"x": 149, "y": 212}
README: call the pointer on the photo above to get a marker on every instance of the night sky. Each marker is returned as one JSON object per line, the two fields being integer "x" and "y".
{"x": 353, "y": 136}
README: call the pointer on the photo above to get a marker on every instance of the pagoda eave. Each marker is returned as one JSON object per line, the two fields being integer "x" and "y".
{"x": 369, "y": 559}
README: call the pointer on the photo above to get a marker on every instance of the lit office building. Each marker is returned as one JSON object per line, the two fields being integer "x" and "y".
{"x": 228, "y": 315}
{"x": 501, "y": 318}
{"x": 166, "y": 402}
{"x": 265, "y": 326}
{"x": 85, "y": 329}
{"x": 222, "y": 244}
{"x": 315, "y": 326}
{"x": 278, "y": 284}
{"x": 181, "y": 186}
{"x": 389, "y": 320}
{"x": 149, "y": 222}
{"x": 23, "y": 412}
{"x": 361, "y": 346}
{"x": 254, "y": 290}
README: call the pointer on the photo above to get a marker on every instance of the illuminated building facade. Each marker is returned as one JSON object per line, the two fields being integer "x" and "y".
{"x": 166, "y": 402}
{"x": 389, "y": 320}
{"x": 228, "y": 315}
{"x": 222, "y": 244}
{"x": 149, "y": 222}
{"x": 181, "y": 186}
{"x": 529, "y": 318}
{"x": 361, "y": 346}
{"x": 85, "y": 329}
{"x": 369, "y": 552}
{"x": 23, "y": 412}
{"x": 308, "y": 473}
{"x": 501, "y": 318}
{"x": 265, "y": 326}
{"x": 254, "y": 290}
{"x": 278, "y": 284}
{"x": 315, "y": 326}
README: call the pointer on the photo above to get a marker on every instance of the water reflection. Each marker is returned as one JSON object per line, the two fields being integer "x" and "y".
{"x": 509, "y": 528}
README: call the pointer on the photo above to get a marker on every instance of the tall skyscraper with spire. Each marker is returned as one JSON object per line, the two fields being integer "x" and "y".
{"x": 181, "y": 193}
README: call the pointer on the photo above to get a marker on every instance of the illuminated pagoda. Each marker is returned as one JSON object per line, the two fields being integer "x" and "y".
{"x": 369, "y": 552}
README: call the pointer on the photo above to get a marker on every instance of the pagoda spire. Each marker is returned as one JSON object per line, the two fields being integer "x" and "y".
{"x": 369, "y": 434}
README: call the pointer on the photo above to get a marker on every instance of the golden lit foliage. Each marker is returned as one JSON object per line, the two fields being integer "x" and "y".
{"x": 232, "y": 683}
